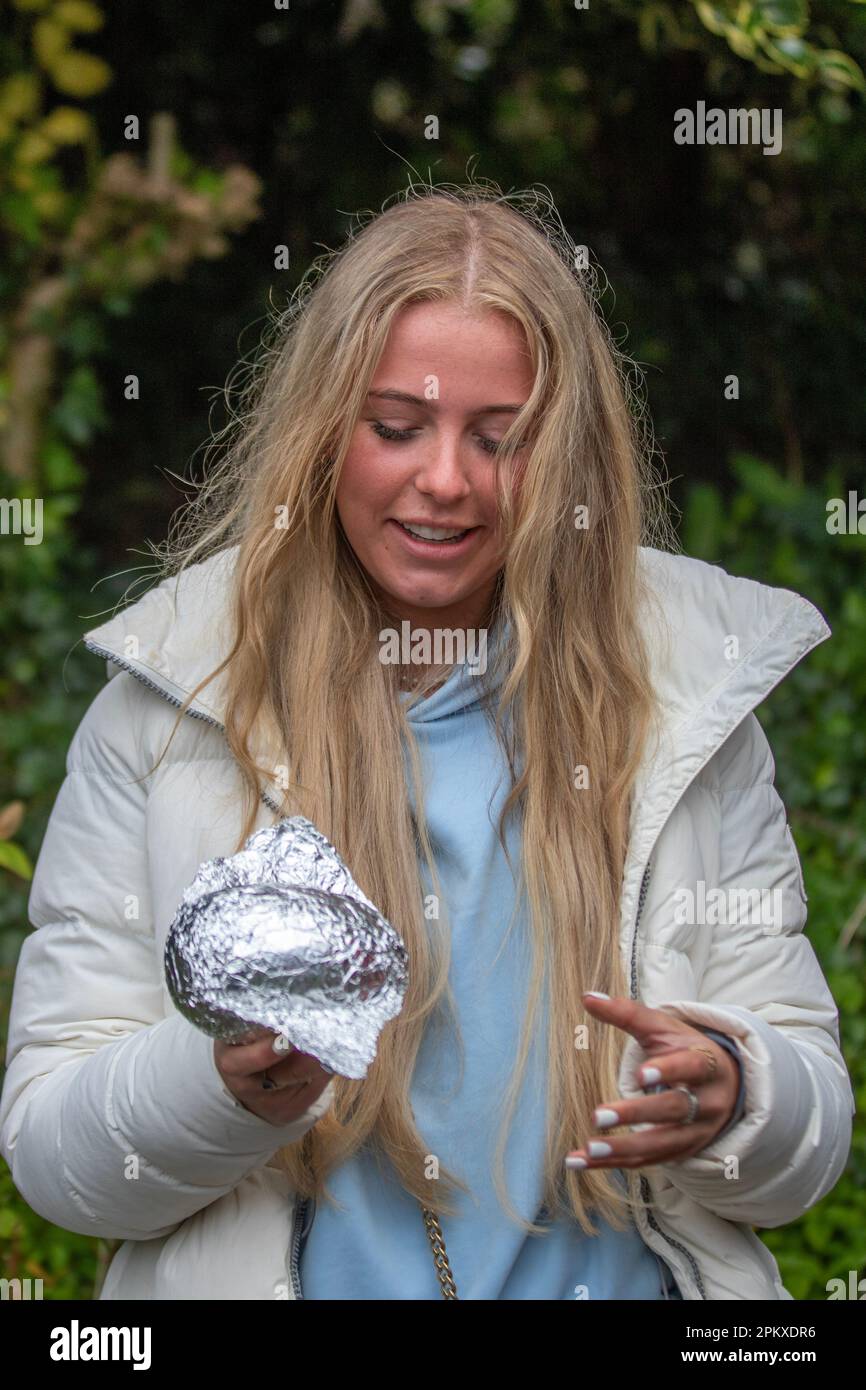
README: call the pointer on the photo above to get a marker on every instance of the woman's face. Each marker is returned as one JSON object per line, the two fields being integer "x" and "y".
{"x": 415, "y": 462}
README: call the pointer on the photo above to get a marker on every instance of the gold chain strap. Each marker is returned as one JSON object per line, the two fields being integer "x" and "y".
{"x": 440, "y": 1257}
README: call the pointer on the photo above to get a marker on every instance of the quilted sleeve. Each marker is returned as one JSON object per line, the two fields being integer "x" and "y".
{"x": 763, "y": 987}
{"x": 113, "y": 1118}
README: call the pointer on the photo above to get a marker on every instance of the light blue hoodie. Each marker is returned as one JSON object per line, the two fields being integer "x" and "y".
{"x": 377, "y": 1247}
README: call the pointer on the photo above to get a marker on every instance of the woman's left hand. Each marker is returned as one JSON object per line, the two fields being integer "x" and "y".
{"x": 670, "y": 1044}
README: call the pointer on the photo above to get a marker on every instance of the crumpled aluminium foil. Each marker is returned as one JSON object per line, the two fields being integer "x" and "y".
{"x": 279, "y": 938}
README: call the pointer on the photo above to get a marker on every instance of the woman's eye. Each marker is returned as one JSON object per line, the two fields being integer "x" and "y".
{"x": 388, "y": 431}
{"x": 384, "y": 431}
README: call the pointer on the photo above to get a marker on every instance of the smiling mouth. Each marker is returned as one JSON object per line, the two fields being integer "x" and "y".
{"x": 437, "y": 535}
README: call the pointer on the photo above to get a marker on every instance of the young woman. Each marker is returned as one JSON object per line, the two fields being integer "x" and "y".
{"x": 440, "y": 446}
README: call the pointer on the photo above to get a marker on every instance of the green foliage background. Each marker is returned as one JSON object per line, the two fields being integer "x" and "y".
{"x": 121, "y": 253}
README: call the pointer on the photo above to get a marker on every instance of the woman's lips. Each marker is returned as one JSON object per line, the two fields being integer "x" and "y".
{"x": 443, "y": 550}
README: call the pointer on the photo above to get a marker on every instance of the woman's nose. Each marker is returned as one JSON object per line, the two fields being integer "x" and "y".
{"x": 444, "y": 472}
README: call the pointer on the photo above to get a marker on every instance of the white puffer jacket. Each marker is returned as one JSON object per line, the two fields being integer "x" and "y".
{"x": 114, "y": 1119}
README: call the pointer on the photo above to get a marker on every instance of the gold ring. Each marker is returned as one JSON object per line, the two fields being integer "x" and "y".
{"x": 714, "y": 1061}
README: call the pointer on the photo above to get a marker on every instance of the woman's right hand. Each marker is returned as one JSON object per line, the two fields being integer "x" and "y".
{"x": 300, "y": 1080}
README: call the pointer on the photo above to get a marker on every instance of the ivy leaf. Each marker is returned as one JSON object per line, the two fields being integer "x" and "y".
{"x": 782, "y": 14}
{"x": 838, "y": 70}
{"x": 13, "y": 858}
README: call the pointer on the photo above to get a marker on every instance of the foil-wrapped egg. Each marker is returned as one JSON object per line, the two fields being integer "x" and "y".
{"x": 279, "y": 938}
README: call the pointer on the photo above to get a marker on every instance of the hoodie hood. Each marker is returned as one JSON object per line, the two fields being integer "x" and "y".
{"x": 464, "y": 688}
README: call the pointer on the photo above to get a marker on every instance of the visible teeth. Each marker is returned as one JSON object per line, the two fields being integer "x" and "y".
{"x": 431, "y": 533}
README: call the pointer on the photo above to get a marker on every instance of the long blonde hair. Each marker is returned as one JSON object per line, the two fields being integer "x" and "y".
{"x": 575, "y": 677}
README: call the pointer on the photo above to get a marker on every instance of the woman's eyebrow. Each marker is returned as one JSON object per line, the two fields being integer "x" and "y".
{"x": 417, "y": 400}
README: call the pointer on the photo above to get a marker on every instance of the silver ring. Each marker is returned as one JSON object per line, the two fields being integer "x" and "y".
{"x": 694, "y": 1104}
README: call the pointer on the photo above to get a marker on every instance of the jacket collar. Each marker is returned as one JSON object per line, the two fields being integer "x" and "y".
{"x": 725, "y": 643}
{"x": 722, "y": 645}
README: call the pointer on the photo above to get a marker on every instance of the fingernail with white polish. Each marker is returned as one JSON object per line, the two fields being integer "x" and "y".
{"x": 597, "y": 994}
{"x": 596, "y": 1148}
{"x": 574, "y": 1161}
{"x": 605, "y": 1118}
{"x": 651, "y": 1075}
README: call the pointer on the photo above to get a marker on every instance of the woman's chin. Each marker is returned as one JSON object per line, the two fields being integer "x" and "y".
{"x": 405, "y": 600}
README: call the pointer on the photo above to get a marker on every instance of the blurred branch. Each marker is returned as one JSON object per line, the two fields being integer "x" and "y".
{"x": 162, "y": 130}
{"x": 846, "y": 936}
{"x": 31, "y": 370}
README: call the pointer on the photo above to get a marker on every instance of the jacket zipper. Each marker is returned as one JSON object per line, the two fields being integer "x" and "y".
{"x": 644, "y": 1181}
{"x": 301, "y": 1205}
{"x": 145, "y": 680}
{"x": 298, "y": 1233}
